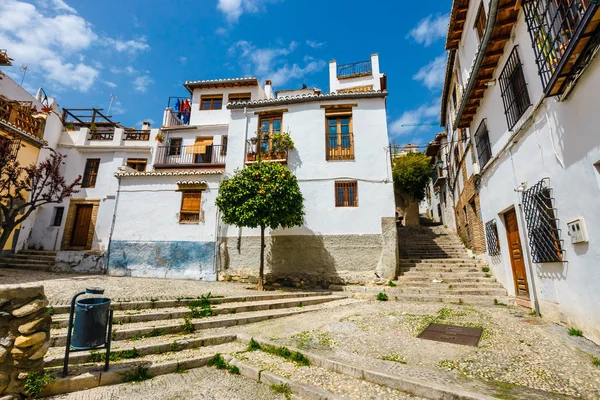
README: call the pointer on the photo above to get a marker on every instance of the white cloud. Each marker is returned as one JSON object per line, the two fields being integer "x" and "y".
{"x": 183, "y": 60}
{"x": 314, "y": 44}
{"x": 419, "y": 119}
{"x": 269, "y": 63}
{"x": 130, "y": 46}
{"x": 128, "y": 70}
{"x": 221, "y": 31}
{"x": 110, "y": 84}
{"x": 141, "y": 83}
{"x": 58, "y": 5}
{"x": 432, "y": 75}
{"x": 233, "y": 9}
{"x": 117, "y": 108}
{"x": 430, "y": 29}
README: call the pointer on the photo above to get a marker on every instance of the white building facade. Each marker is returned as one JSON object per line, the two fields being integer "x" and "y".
{"x": 166, "y": 221}
{"x": 523, "y": 88}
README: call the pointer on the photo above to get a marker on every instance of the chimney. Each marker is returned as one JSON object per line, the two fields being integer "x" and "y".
{"x": 269, "y": 90}
{"x": 145, "y": 126}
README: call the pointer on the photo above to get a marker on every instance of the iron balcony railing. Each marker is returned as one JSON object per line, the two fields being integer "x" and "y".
{"x": 174, "y": 155}
{"x": 20, "y": 115}
{"x": 264, "y": 152}
{"x": 353, "y": 70}
{"x": 552, "y": 26}
{"x": 104, "y": 133}
{"x": 137, "y": 135}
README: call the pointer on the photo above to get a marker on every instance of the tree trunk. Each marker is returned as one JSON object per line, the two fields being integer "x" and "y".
{"x": 5, "y": 235}
{"x": 261, "y": 271}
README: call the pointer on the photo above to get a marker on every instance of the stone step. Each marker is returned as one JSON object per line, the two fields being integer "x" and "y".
{"x": 35, "y": 267}
{"x": 151, "y": 329}
{"x": 39, "y": 252}
{"x": 122, "y": 317}
{"x": 451, "y": 299}
{"x": 33, "y": 256}
{"x": 184, "y": 302}
{"x": 443, "y": 275}
{"x": 442, "y": 268}
{"x": 446, "y": 291}
{"x": 25, "y": 261}
{"x": 457, "y": 283}
{"x": 441, "y": 261}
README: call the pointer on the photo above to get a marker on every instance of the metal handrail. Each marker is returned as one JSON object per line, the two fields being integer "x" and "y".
{"x": 360, "y": 68}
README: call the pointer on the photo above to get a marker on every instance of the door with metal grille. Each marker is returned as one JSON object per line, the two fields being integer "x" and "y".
{"x": 516, "y": 255}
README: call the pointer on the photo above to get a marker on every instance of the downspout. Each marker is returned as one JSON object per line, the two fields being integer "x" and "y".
{"x": 112, "y": 225}
{"x": 489, "y": 29}
{"x": 239, "y": 241}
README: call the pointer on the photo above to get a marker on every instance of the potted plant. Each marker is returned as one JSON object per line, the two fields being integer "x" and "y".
{"x": 251, "y": 156}
{"x": 93, "y": 128}
{"x": 284, "y": 144}
{"x": 160, "y": 137}
{"x": 69, "y": 127}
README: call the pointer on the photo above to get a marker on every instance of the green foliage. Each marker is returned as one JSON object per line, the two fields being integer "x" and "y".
{"x": 201, "y": 308}
{"x": 96, "y": 357}
{"x": 174, "y": 346}
{"x": 575, "y": 332}
{"x": 286, "y": 353}
{"x": 381, "y": 296}
{"x": 50, "y": 310}
{"x": 137, "y": 375}
{"x": 412, "y": 173}
{"x": 219, "y": 363}
{"x": 596, "y": 361}
{"x": 35, "y": 382}
{"x": 485, "y": 269}
{"x": 498, "y": 303}
{"x": 262, "y": 195}
{"x": 253, "y": 345}
{"x": 282, "y": 388}
{"x": 181, "y": 370}
{"x": 394, "y": 358}
{"x": 187, "y": 326}
{"x": 392, "y": 284}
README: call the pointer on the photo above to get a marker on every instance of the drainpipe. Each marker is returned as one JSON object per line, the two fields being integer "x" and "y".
{"x": 489, "y": 29}
{"x": 239, "y": 241}
{"x": 112, "y": 225}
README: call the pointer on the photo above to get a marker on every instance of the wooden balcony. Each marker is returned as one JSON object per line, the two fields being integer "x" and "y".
{"x": 20, "y": 115}
{"x": 194, "y": 156}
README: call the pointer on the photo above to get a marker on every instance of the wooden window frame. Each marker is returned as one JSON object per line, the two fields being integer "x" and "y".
{"x": 480, "y": 21}
{"x": 174, "y": 147}
{"x": 188, "y": 216}
{"x": 211, "y": 98}
{"x": 134, "y": 163}
{"x": 90, "y": 173}
{"x": 224, "y": 144}
{"x": 243, "y": 96}
{"x": 345, "y": 186}
{"x": 338, "y": 115}
{"x": 269, "y": 117}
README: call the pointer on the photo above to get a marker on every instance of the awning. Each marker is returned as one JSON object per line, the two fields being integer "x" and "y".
{"x": 199, "y": 147}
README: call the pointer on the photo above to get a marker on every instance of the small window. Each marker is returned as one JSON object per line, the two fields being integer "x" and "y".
{"x": 346, "y": 194}
{"x": 454, "y": 98}
{"x": 175, "y": 146}
{"x": 239, "y": 97}
{"x": 139, "y": 164}
{"x": 542, "y": 224}
{"x": 211, "y": 102}
{"x": 190, "y": 207}
{"x": 58, "y": 215}
{"x": 224, "y": 142}
{"x": 482, "y": 141}
{"x": 480, "y": 21}
{"x": 492, "y": 239}
{"x": 340, "y": 141}
{"x": 514, "y": 89}
{"x": 269, "y": 126}
{"x": 91, "y": 173}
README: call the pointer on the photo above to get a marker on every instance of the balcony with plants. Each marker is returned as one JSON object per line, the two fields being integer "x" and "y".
{"x": 271, "y": 148}
{"x": 22, "y": 117}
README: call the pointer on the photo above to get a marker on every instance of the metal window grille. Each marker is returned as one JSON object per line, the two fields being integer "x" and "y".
{"x": 514, "y": 89}
{"x": 482, "y": 142}
{"x": 352, "y": 70}
{"x": 551, "y": 26}
{"x": 492, "y": 239}
{"x": 346, "y": 194}
{"x": 58, "y": 215}
{"x": 542, "y": 224}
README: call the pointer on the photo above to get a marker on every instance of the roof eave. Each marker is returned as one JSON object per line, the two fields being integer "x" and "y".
{"x": 307, "y": 99}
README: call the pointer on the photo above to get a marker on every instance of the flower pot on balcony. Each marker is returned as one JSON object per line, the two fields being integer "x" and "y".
{"x": 160, "y": 138}
{"x": 280, "y": 155}
{"x": 250, "y": 157}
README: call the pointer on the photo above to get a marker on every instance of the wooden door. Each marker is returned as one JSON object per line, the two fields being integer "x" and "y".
{"x": 81, "y": 226}
{"x": 516, "y": 254}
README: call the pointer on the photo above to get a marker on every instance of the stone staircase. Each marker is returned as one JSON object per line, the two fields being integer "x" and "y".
{"x": 157, "y": 337}
{"x": 435, "y": 266}
{"x": 40, "y": 260}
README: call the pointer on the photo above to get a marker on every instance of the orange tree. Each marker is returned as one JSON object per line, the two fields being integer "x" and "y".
{"x": 264, "y": 195}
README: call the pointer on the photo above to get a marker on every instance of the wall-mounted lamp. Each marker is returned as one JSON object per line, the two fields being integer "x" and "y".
{"x": 440, "y": 165}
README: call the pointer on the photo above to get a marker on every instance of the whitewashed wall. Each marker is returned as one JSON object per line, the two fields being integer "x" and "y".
{"x": 336, "y": 84}
{"x": 218, "y": 117}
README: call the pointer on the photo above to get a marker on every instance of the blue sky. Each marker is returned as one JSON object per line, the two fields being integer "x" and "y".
{"x": 83, "y": 51}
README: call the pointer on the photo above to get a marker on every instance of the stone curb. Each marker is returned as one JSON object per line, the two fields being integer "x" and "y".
{"x": 117, "y": 375}
{"x": 132, "y": 305}
{"x": 61, "y": 340}
{"x": 303, "y": 389}
{"x": 429, "y": 390}
{"x": 268, "y": 305}
{"x": 144, "y": 350}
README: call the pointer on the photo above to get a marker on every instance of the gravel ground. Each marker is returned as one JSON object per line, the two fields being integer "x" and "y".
{"x": 343, "y": 385}
{"x": 200, "y": 383}
{"x": 516, "y": 348}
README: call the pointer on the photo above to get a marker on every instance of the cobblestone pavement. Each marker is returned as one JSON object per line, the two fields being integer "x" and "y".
{"x": 517, "y": 350}
{"x": 199, "y": 383}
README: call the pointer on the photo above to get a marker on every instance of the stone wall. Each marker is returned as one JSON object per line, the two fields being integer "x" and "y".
{"x": 24, "y": 336}
{"x": 82, "y": 262}
{"x": 313, "y": 260}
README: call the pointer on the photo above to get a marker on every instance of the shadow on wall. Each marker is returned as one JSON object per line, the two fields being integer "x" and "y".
{"x": 300, "y": 260}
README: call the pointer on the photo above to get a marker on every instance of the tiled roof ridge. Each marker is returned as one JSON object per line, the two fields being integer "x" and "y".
{"x": 124, "y": 173}
{"x": 331, "y": 95}
{"x": 222, "y": 80}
